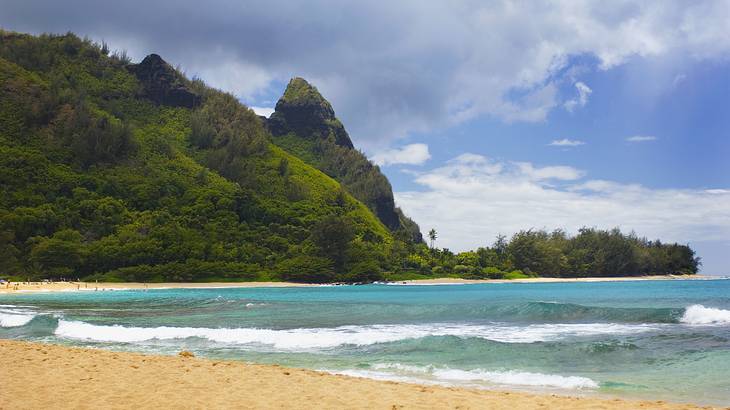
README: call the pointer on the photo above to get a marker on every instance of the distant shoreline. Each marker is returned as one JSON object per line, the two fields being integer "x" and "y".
{"x": 460, "y": 281}
{"x": 31, "y": 287}
{"x": 25, "y": 287}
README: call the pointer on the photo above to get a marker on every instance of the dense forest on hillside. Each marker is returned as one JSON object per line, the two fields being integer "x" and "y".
{"x": 123, "y": 171}
{"x": 132, "y": 172}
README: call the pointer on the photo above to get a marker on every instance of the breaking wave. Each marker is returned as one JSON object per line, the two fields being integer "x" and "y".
{"x": 15, "y": 318}
{"x": 322, "y": 338}
{"x": 700, "y": 315}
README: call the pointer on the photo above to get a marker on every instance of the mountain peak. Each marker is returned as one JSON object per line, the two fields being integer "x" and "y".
{"x": 153, "y": 59}
{"x": 163, "y": 84}
{"x": 303, "y": 111}
{"x": 299, "y": 91}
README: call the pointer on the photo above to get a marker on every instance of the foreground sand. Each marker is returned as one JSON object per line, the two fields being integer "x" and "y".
{"x": 34, "y": 376}
{"x": 16, "y": 287}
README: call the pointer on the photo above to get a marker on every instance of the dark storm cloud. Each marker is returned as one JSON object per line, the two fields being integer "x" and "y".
{"x": 346, "y": 47}
{"x": 389, "y": 68}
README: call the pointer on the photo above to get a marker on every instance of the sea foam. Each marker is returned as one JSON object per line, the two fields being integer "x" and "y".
{"x": 15, "y": 318}
{"x": 700, "y": 315}
{"x": 323, "y": 338}
{"x": 517, "y": 378}
{"x": 445, "y": 375}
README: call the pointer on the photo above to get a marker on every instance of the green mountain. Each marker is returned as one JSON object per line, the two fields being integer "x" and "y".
{"x": 117, "y": 171}
{"x": 305, "y": 125}
{"x": 126, "y": 171}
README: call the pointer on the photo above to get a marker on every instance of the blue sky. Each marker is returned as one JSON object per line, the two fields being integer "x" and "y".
{"x": 649, "y": 122}
{"x": 684, "y": 108}
{"x": 487, "y": 117}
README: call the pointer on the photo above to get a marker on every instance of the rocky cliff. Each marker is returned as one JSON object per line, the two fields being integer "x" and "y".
{"x": 303, "y": 111}
{"x": 162, "y": 84}
{"x": 305, "y": 124}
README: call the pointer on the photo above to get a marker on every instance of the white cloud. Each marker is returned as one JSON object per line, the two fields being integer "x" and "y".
{"x": 581, "y": 99}
{"x": 559, "y": 172}
{"x": 394, "y": 68}
{"x": 242, "y": 79}
{"x": 264, "y": 111}
{"x": 413, "y": 154}
{"x": 565, "y": 142}
{"x": 641, "y": 138}
{"x": 471, "y": 199}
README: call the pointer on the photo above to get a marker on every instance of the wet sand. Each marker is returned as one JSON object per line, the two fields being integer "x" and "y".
{"x": 41, "y": 376}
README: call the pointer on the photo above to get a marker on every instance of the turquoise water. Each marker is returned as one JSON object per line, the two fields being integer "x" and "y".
{"x": 654, "y": 339}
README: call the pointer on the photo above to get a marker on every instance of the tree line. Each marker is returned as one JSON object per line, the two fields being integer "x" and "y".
{"x": 590, "y": 253}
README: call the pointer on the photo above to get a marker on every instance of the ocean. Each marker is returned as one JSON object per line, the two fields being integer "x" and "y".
{"x": 663, "y": 340}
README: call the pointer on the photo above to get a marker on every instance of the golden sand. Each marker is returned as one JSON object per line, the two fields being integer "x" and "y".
{"x": 40, "y": 376}
{"x": 20, "y": 287}
{"x": 451, "y": 281}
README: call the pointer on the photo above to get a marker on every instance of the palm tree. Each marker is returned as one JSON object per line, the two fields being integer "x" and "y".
{"x": 432, "y": 236}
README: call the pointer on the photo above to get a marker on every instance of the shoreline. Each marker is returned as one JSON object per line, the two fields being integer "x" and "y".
{"x": 30, "y": 287}
{"x": 40, "y": 375}
{"x": 460, "y": 281}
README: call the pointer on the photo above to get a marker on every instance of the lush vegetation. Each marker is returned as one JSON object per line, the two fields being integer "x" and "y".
{"x": 104, "y": 175}
{"x": 590, "y": 253}
{"x": 97, "y": 180}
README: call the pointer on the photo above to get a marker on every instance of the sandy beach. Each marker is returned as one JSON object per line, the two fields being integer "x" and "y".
{"x": 455, "y": 281}
{"x": 38, "y": 376}
{"x": 19, "y": 287}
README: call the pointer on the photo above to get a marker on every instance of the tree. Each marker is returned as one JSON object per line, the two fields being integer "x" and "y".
{"x": 500, "y": 249}
{"x": 284, "y": 168}
{"x": 534, "y": 252}
{"x": 61, "y": 254}
{"x": 9, "y": 259}
{"x": 93, "y": 138}
{"x": 432, "y": 236}
{"x": 306, "y": 269}
{"x": 332, "y": 235}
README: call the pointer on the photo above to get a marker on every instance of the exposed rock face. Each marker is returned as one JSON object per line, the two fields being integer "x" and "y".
{"x": 162, "y": 84}
{"x": 303, "y": 111}
{"x": 385, "y": 210}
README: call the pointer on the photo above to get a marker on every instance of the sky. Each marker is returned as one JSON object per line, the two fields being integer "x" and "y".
{"x": 488, "y": 117}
